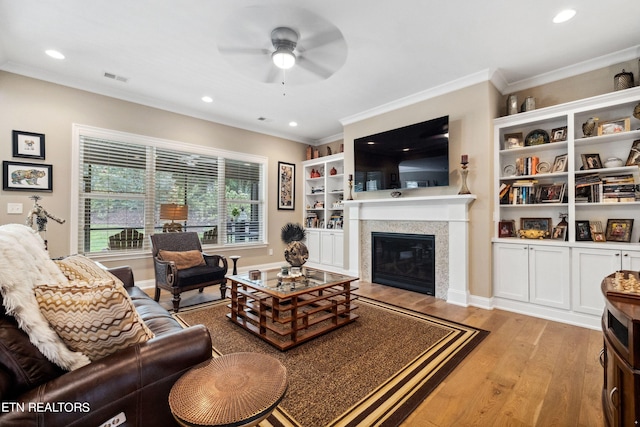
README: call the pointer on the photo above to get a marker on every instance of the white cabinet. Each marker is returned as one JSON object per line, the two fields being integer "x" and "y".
{"x": 544, "y": 168}
{"x": 313, "y": 245}
{"x": 589, "y": 267}
{"x": 332, "y": 248}
{"x": 323, "y": 209}
{"x": 537, "y": 274}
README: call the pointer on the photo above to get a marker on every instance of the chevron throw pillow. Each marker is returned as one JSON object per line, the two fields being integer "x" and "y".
{"x": 96, "y": 319}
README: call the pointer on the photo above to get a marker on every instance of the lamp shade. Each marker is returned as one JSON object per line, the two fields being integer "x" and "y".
{"x": 283, "y": 58}
{"x": 174, "y": 212}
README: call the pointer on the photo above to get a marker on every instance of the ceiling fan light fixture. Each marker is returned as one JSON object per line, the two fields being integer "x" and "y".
{"x": 283, "y": 58}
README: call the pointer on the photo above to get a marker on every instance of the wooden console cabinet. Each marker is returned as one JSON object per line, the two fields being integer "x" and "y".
{"x": 621, "y": 357}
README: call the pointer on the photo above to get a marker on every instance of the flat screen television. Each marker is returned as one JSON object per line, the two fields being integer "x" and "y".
{"x": 413, "y": 156}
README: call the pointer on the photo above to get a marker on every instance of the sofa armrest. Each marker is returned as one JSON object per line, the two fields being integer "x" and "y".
{"x": 125, "y": 274}
{"x": 135, "y": 381}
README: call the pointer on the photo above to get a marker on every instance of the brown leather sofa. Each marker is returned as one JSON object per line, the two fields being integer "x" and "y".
{"x": 133, "y": 383}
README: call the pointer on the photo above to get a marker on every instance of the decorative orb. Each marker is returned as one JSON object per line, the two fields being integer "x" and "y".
{"x": 296, "y": 253}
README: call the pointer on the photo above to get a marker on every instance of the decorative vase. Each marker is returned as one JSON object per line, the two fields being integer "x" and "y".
{"x": 296, "y": 253}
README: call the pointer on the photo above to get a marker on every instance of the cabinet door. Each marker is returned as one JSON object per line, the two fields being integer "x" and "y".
{"x": 313, "y": 245}
{"x": 511, "y": 271}
{"x": 631, "y": 260}
{"x": 326, "y": 248}
{"x": 549, "y": 276}
{"x": 589, "y": 267}
{"x": 338, "y": 250}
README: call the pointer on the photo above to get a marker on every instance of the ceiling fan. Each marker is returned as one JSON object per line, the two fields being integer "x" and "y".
{"x": 311, "y": 51}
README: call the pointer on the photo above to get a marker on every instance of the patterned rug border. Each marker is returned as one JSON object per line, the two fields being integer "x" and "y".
{"x": 398, "y": 396}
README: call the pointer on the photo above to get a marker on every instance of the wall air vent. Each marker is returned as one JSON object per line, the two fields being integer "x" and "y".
{"x": 116, "y": 77}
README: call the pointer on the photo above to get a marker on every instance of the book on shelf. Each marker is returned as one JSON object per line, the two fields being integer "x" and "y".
{"x": 527, "y": 165}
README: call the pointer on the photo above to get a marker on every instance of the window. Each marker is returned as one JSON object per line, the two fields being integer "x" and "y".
{"x": 122, "y": 180}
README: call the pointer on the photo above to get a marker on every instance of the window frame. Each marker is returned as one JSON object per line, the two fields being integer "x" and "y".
{"x": 79, "y": 130}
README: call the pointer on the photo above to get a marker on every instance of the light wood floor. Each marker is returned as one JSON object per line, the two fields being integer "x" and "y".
{"x": 527, "y": 372}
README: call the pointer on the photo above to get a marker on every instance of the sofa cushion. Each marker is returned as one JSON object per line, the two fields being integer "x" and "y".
{"x": 96, "y": 319}
{"x": 79, "y": 267}
{"x": 184, "y": 259}
{"x": 26, "y": 263}
{"x": 22, "y": 365}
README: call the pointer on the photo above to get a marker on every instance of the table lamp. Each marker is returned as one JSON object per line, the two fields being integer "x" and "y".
{"x": 173, "y": 212}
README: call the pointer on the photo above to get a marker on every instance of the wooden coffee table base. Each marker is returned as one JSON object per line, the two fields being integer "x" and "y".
{"x": 285, "y": 318}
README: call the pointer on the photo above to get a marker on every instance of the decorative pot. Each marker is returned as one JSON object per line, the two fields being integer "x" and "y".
{"x": 613, "y": 162}
{"x": 296, "y": 253}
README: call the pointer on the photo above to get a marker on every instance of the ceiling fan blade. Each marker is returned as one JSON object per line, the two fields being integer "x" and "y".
{"x": 272, "y": 74}
{"x": 320, "y": 40}
{"x": 314, "y": 67}
{"x": 243, "y": 51}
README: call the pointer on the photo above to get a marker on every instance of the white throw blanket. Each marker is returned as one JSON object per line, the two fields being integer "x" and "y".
{"x": 25, "y": 264}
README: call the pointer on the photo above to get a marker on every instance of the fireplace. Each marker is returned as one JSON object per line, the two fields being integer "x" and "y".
{"x": 404, "y": 261}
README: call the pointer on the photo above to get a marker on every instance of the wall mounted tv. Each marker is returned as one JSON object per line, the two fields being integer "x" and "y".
{"x": 409, "y": 157}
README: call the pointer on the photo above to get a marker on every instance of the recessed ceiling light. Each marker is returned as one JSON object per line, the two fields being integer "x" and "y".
{"x": 207, "y": 99}
{"x": 564, "y": 16}
{"x": 54, "y": 54}
{"x": 293, "y": 124}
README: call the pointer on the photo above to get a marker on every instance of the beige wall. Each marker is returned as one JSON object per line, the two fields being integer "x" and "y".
{"x": 470, "y": 112}
{"x": 37, "y": 106}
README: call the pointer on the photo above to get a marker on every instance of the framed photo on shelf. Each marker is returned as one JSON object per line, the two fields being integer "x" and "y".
{"x": 513, "y": 140}
{"x": 583, "y": 231}
{"x": 551, "y": 193}
{"x": 536, "y": 224}
{"x": 559, "y": 232}
{"x": 634, "y": 154}
{"x": 18, "y": 176}
{"x": 559, "y": 134}
{"x": 614, "y": 126}
{"x": 507, "y": 228}
{"x": 286, "y": 186}
{"x": 560, "y": 164}
{"x": 591, "y": 161}
{"x": 28, "y": 145}
{"x": 619, "y": 230}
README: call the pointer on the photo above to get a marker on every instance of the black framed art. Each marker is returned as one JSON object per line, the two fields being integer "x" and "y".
{"x": 18, "y": 176}
{"x": 28, "y": 145}
{"x": 286, "y": 186}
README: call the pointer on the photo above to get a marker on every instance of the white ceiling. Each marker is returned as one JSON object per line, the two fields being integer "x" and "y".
{"x": 391, "y": 51}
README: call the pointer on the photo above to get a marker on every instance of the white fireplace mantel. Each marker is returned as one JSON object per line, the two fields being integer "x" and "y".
{"x": 452, "y": 209}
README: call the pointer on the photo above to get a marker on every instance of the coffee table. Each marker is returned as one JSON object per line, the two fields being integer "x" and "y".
{"x": 286, "y": 312}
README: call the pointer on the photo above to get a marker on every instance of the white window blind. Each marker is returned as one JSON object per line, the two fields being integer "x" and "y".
{"x": 122, "y": 185}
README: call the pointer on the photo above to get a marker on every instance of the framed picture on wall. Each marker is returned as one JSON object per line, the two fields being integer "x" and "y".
{"x": 28, "y": 144}
{"x": 26, "y": 176}
{"x": 286, "y": 185}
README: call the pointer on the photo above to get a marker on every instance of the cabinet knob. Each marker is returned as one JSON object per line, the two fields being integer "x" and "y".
{"x": 625, "y": 255}
{"x": 617, "y": 254}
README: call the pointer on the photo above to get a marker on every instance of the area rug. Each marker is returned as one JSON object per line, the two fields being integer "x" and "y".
{"x": 374, "y": 371}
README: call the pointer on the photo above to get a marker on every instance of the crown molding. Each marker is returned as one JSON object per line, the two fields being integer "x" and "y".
{"x": 573, "y": 70}
{"x": 452, "y": 86}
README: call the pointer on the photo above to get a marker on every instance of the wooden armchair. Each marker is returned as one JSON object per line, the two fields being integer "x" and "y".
{"x": 126, "y": 239}
{"x": 180, "y": 265}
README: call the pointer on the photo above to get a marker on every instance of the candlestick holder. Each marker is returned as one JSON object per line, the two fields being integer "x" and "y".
{"x": 350, "y": 182}
{"x": 463, "y": 173}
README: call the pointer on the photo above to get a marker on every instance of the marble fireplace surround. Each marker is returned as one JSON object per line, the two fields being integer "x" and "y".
{"x": 445, "y": 217}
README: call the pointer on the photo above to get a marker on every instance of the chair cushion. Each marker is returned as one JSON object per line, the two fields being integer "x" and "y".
{"x": 200, "y": 274}
{"x": 183, "y": 260}
{"x": 96, "y": 319}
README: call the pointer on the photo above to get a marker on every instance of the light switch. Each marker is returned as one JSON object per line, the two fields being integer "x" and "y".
{"x": 14, "y": 208}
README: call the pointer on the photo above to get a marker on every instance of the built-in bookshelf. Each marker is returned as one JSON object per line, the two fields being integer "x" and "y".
{"x": 571, "y": 170}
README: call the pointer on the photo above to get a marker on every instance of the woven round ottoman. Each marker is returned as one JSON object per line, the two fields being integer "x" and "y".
{"x": 238, "y": 389}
